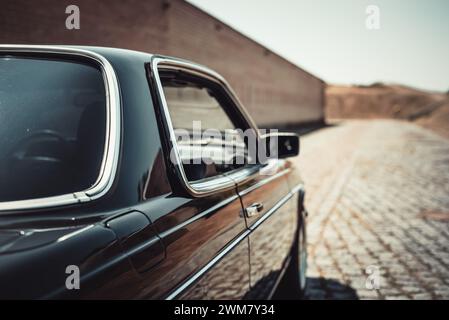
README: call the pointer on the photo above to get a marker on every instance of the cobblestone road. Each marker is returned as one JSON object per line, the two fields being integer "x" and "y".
{"x": 378, "y": 195}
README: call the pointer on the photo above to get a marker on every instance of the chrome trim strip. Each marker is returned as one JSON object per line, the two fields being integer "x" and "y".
{"x": 91, "y": 274}
{"x": 234, "y": 243}
{"x": 208, "y": 266}
{"x": 228, "y": 248}
{"x": 198, "y": 216}
{"x": 112, "y": 144}
{"x": 108, "y": 264}
{"x": 75, "y": 233}
{"x": 143, "y": 246}
{"x": 244, "y": 174}
{"x": 270, "y": 212}
{"x": 264, "y": 182}
{"x": 197, "y": 189}
{"x": 219, "y": 182}
{"x": 297, "y": 188}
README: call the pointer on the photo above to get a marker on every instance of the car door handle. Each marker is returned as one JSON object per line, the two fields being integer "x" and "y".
{"x": 254, "y": 209}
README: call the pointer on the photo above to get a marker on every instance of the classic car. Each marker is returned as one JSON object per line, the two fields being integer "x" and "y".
{"x": 100, "y": 198}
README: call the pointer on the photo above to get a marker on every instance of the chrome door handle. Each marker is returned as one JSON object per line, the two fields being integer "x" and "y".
{"x": 254, "y": 210}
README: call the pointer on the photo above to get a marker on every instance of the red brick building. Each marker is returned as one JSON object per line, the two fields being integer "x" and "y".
{"x": 275, "y": 91}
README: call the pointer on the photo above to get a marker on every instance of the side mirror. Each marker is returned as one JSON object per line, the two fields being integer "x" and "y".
{"x": 279, "y": 145}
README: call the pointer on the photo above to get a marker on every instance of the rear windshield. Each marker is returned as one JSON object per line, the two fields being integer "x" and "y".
{"x": 52, "y": 127}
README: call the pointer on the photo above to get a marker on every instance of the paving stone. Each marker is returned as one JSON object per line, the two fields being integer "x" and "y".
{"x": 377, "y": 195}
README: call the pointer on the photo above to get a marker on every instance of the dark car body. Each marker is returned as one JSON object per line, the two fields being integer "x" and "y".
{"x": 142, "y": 231}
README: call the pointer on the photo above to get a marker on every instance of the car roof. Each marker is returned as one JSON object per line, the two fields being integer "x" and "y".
{"x": 110, "y": 53}
{"x": 117, "y": 53}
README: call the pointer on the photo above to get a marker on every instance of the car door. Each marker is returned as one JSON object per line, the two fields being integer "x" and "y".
{"x": 271, "y": 214}
{"x": 200, "y": 223}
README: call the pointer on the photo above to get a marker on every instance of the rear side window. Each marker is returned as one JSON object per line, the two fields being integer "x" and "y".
{"x": 52, "y": 127}
{"x": 189, "y": 102}
{"x": 209, "y": 133}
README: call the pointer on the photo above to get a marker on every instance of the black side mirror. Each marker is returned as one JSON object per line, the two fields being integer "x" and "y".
{"x": 279, "y": 145}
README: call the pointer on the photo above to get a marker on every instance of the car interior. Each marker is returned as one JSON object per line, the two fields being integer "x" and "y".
{"x": 208, "y": 141}
{"x": 51, "y": 137}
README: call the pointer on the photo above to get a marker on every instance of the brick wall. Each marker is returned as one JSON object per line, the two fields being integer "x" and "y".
{"x": 273, "y": 90}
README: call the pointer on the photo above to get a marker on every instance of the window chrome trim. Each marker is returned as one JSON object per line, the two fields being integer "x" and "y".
{"x": 235, "y": 242}
{"x": 221, "y": 182}
{"x": 109, "y": 163}
{"x": 265, "y": 181}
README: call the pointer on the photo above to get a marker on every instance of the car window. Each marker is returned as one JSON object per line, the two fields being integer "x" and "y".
{"x": 210, "y": 135}
{"x": 52, "y": 126}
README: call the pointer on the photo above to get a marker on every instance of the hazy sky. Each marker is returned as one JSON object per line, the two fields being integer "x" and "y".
{"x": 330, "y": 39}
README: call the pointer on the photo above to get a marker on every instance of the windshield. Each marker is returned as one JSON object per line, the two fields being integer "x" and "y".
{"x": 52, "y": 127}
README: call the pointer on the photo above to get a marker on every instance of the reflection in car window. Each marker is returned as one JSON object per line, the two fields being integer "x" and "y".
{"x": 204, "y": 126}
{"x": 188, "y": 104}
{"x": 52, "y": 127}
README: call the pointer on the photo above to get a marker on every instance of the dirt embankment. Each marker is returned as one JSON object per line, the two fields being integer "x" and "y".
{"x": 428, "y": 109}
{"x": 437, "y": 120}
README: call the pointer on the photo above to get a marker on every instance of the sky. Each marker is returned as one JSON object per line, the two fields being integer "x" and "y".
{"x": 330, "y": 38}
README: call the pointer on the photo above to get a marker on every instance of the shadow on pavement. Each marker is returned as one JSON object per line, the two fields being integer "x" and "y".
{"x": 319, "y": 289}
{"x": 329, "y": 289}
